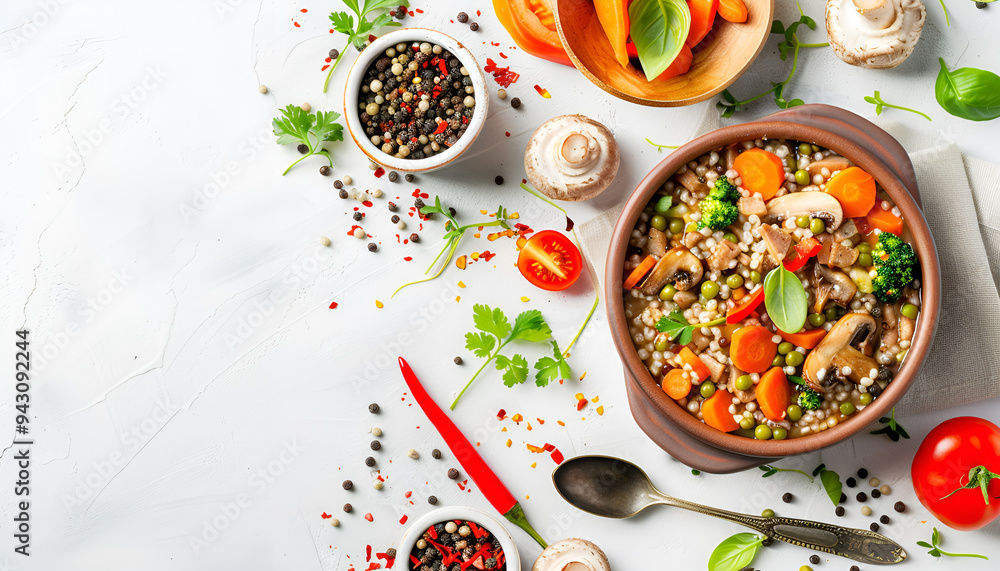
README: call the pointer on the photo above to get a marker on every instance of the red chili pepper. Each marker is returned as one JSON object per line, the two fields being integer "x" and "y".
{"x": 416, "y": 562}
{"x": 432, "y": 532}
{"x": 805, "y": 249}
{"x": 441, "y": 127}
{"x": 496, "y": 493}
{"x": 745, "y": 307}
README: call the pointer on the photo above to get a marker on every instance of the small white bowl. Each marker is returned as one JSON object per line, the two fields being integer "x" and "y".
{"x": 420, "y": 525}
{"x": 353, "y": 87}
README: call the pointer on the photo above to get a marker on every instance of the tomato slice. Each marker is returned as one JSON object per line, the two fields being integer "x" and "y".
{"x": 550, "y": 260}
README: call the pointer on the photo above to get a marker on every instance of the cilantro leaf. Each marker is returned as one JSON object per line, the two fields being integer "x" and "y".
{"x": 492, "y": 321}
{"x": 297, "y": 127}
{"x": 676, "y": 326}
{"x": 552, "y": 369}
{"x": 326, "y": 128}
{"x": 481, "y": 344}
{"x": 515, "y": 369}
{"x": 530, "y": 326}
{"x": 343, "y": 22}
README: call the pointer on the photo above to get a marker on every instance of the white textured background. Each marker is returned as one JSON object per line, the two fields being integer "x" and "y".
{"x": 181, "y": 341}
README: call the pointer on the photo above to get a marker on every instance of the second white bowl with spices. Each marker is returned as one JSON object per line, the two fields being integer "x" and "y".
{"x": 449, "y": 514}
{"x": 355, "y": 82}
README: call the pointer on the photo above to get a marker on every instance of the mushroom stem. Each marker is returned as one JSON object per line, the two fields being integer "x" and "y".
{"x": 859, "y": 363}
{"x": 881, "y": 13}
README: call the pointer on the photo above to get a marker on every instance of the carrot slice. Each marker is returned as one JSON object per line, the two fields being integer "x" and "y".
{"x": 774, "y": 394}
{"x": 702, "y": 19}
{"x": 680, "y": 65}
{"x": 854, "y": 189}
{"x": 639, "y": 272}
{"x": 715, "y": 412}
{"x": 760, "y": 170}
{"x": 752, "y": 349}
{"x": 733, "y": 10}
{"x": 698, "y": 367}
{"x": 805, "y": 339}
{"x": 613, "y": 16}
{"x": 676, "y": 384}
{"x": 885, "y": 220}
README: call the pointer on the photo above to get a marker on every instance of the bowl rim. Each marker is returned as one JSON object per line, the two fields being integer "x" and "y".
{"x": 579, "y": 65}
{"x": 352, "y": 87}
{"x": 923, "y": 242}
{"x": 446, "y": 513}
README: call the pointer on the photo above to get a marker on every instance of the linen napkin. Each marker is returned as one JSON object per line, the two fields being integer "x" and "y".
{"x": 961, "y": 201}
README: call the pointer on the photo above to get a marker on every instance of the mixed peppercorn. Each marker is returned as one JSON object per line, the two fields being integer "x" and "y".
{"x": 457, "y": 545}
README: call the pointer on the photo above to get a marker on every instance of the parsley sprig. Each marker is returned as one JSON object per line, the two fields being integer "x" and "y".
{"x": 892, "y": 429}
{"x": 495, "y": 333}
{"x": 879, "y": 104}
{"x": 297, "y": 127}
{"x": 791, "y": 43}
{"x": 676, "y": 326}
{"x": 343, "y": 23}
{"x": 454, "y": 232}
{"x": 936, "y": 551}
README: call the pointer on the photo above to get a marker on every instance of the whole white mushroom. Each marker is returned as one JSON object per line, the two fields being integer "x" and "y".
{"x": 876, "y": 34}
{"x": 572, "y": 555}
{"x": 571, "y": 157}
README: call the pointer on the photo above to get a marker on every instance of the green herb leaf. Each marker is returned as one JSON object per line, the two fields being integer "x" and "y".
{"x": 481, "y": 344}
{"x": 785, "y": 300}
{"x": 530, "y": 326}
{"x": 492, "y": 321}
{"x": 357, "y": 35}
{"x": 879, "y": 104}
{"x": 552, "y": 368}
{"x": 515, "y": 369}
{"x": 892, "y": 429}
{"x": 796, "y": 380}
{"x": 832, "y": 485}
{"x": 677, "y": 328}
{"x": 735, "y": 552}
{"x": 772, "y": 470}
{"x": 296, "y": 127}
{"x": 969, "y": 93}
{"x": 658, "y": 29}
{"x": 936, "y": 551}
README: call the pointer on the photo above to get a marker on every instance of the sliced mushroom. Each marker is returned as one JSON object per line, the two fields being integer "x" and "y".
{"x": 692, "y": 239}
{"x": 657, "y": 243}
{"x": 743, "y": 396}
{"x": 572, "y": 555}
{"x": 832, "y": 163}
{"x": 891, "y": 328}
{"x": 842, "y": 256}
{"x": 678, "y": 265}
{"x": 716, "y": 368}
{"x": 724, "y": 252}
{"x": 876, "y": 34}
{"x": 691, "y": 181}
{"x": 842, "y": 287}
{"x": 776, "y": 241}
{"x": 571, "y": 157}
{"x": 684, "y": 299}
{"x": 846, "y": 231}
{"x": 814, "y": 203}
{"x": 750, "y": 205}
{"x": 840, "y": 349}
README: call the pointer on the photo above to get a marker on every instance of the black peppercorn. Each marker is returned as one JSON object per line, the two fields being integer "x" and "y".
{"x": 814, "y": 559}
{"x": 372, "y": 246}
{"x": 873, "y": 526}
{"x": 436, "y": 454}
{"x": 840, "y": 511}
{"x": 348, "y": 508}
{"x": 342, "y": 193}
{"x": 373, "y": 408}
{"x": 414, "y": 237}
{"x": 851, "y": 482}
{"x": 787, "y": 498}
{"x": 324, "y": 170}
{"x": 884, "y": 519}
{"x": 358, "y": 216}
{"x": 876, "y": 493}
{"x": 453, "y": 473}
{"x": 862, "y": 497}
{"x": 393, "y": 176}
{"x": 458, "y": 360}
{"x": 334, "y": 54}
{"x": 418, "y": 203}
{"x": 498, "y": 180}
{"x": 369, "y": 461}
{"x": 855, "y": 568}
{"x": 376, "y": 445}
{"x": 432, "y": 500}
{"x": 390, "y": 553}
{"x": 843, "y": 498}
{"x": 862, "y": 473}
{"x": 302, "y": 148}
{"x": 515, "y": 102}
{"x": 899, "y": 507}
{"x": 348, "y": 484}
{"x": 338, "y": 184}
{"x": 980, "y": 5}
{"x": 394, "y": 219}
{"x": 392, "y": 207}
{"x": 474, "y": 27}
{"x": 462, "y": 17}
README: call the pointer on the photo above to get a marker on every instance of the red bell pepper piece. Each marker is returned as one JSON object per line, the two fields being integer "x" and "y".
{"x": 745, "y": 306}
{"x": 805, "y": 249}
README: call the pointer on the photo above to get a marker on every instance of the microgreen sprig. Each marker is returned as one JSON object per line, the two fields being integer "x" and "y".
{"x": 772, "y": 470}
{"x": 659, "y": 148}
{"x": 936, "y": 551}
{"x": 297, "y": 127}
{"x": 343, "y": 23}
{"x": 879, "y": 104}
{"x": 892, "y": 429}
{"x": 791, "y": 43}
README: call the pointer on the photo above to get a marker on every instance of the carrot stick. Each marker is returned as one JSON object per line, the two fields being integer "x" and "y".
{"x": 805, "y": 339}
{"x": 854, "y": 189}
{"x": 760, "y": 170}
{"x": 733, "y": 11}
{"x": 752, "y": 349}
{"x": 613, "y": 15}
{"x": 677, "y": 384}
{"x": 885, "y": 220}
{"x": 715, "y": 412}
{"x": 702, "y": 19}
{"x": 698, "y": 367}
{"x": 639, "y": 272}
{"x": 774, "y": 394}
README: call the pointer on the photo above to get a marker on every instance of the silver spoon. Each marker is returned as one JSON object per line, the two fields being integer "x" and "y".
{"x": 616, "y": 488}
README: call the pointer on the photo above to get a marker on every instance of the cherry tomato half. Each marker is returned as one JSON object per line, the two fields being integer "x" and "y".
{"x": 550, "y": 261}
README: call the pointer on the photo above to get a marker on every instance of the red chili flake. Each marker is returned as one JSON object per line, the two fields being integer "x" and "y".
{"x": 506, "y": 133}
{"x": 326, "y": 515}
{"x": 502, "y": 75}
{"x": 523, "y": 229}
{"x": 381, "y": 479}
{"x": 297, "y": 24}
{"x": 325, "y": 67}
{"x": 367, "y": 203}
{"x": 548, "y": 447}
{"x": 368, "y": 553}
{"x": 494, "y": 44}
{"x": 368, "y": 516}
{"x": 461, "y": 485}
{"x": 408, "y": 258}
{"x": 303, "y": 10}
{"x": 432, "y": 532}
{"x": 501, "y": 414}
{"x": 486, "y": 255}
{"x": 416, "y": 562}
{"x": 328, "y": 60}
{"x": 331, "y": 31}
{"x": 543, "y": 92}
{"x": 403, "y": 519}
{"x": 419, "y": 11}
{"x": 502, "y": 55}
{"x": 388, "y": 560}
{"x": 379, "y": 172}
{"x": 442, "y": 66}
{"x": 580, "y": 404}
{"x": 441, "y": 127}
{"x": 373, "y": 565}
{"x": 407, "y": 494}
{"x": 557, "y": 456}
{"x": 372, "y": 38}
{"x": 478, "y": 13}
{"x": 333, "y": 305}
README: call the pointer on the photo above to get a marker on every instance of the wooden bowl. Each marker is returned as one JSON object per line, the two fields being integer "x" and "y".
{"x": 719, "y": 60}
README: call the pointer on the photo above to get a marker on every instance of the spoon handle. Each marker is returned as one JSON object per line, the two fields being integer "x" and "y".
{"x": 857, "y": 544}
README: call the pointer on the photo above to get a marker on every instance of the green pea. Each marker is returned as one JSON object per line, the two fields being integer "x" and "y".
{"x": 794, "y": 412}
{"x": 779, "y": 433}
{"x": 806, "y": 149}
{"x": 866, "y": 398}
{"x": 734, "y": 281}
{"x": 668, "y": 292}
{"x": 910, "y": 310}
{"x": 664, "y": 203}
{"x": 847, "y": 408}
{"x": 802, "y": 176}
{"x": 785, "y": 347}
{"x": 658, "y": 222}
{"x": 794, "y": 359}
{"x": 767, "y": 513}
{"x": 817, "y": 226}
{"x": 676, "y": 225}
{"x": 709, "y": 289}
{"x": 762, "y": 432}
{"x": 865, "y": 260}
{"x": 778, "y": 361}
{"x": 864, "y": 248}
{"x": 802, "y": 221}
{"x": 746, "y": 423}
{"x": 662, "y": 343}
{"x": 731, "y": 237}
{"x": 744, "y": 382}
{"x": 755, "y": 277}
{"x": 707, "y": 390}
{"x": 816, "y": 319}
{"x": 831, "y": 313}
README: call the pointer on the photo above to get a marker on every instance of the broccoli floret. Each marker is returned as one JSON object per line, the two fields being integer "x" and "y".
{"x": 724, "y": 190}
{"x": 810, "y": 399}
{"x": 895, "y": 267}
{"x": 717, "y": 214}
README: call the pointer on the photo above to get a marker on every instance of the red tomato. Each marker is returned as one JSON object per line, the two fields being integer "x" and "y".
{"x": 956, "y": 451}
{"x": 550, "y": 261}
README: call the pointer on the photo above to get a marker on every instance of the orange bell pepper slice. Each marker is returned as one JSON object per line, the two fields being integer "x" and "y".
{"x": 532, "y": 26}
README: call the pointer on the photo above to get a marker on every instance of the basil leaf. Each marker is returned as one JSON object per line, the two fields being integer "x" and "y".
{"x": 969, "y": 93}
{"x": 785, "y": 300}
{"x": 735, "y": 552}
{"x": 831, "y": 482}
{"x": 659, "y": 29}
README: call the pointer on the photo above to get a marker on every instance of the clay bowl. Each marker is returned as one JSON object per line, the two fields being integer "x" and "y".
{"x": 719, "y": 60}
{"x": 666, "y": 422}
